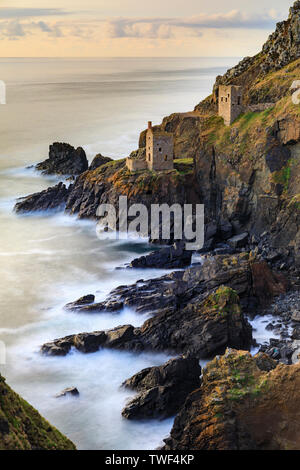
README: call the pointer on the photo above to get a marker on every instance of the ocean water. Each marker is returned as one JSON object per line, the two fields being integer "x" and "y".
{"x": 47, "y": 260}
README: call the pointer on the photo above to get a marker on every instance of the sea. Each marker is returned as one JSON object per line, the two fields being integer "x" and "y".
{"x": 49, "y": 259}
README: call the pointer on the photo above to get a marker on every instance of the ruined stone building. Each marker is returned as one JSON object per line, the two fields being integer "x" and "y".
{"x": 230, "y": 103}
{"x": 159, "y": 154}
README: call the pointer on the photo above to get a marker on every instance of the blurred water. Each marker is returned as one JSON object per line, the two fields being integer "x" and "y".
{"x": 47, "y": 260}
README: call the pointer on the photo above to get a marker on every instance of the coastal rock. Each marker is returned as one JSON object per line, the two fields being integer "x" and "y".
{"x": 64, "y": 160}
{"x": 59, "y": 347}
{"x": 266, "y": 283}
{"x": 240, "y": 407}
{"x": 71, "y": 391}
{"x": 175, "y": 256}
{"x": 98, "y": 161}
{"x": 52, "y": 198}
{"x": 204, "y": 327}
{"x": 163, "y": 389}
{"x": 88, "y": 342}
{"x": 110, "y": 306}
{"x": 83, "y": 301}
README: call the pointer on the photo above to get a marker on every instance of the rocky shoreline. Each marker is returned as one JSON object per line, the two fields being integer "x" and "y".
{"x": 246, "y": 175}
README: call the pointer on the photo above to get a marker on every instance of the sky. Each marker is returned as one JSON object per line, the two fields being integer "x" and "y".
{"x": 137, "y": 28}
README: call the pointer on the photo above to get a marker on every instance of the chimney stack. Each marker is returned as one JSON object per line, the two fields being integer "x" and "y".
{"x": 149, "y": 124}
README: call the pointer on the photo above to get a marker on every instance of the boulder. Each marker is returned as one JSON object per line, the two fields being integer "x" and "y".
{"x": 85, "y": 300}
{"x": 54, "y": 197}
{"x": 175, "y": 256}
{"x": 64, "y": 160}
{"x": 162, "y": 389}
{"x": 89, "y": 342}
{"x": 72, "y": 391}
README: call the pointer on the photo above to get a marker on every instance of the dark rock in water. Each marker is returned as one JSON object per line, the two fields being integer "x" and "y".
{"x": 175, "y": 256}
{"x": 98, "y": 161}
{"x": 163, "y": 389}
{"x": 239, "y": 241}
{"x": 89, "y": 343}
{"x": 85, "y": 300}
{"x": 205, "y": 326}
{"x": 64, "y": 160}
{"x": 59, "y": 347}
{"x": 54, "y": 197}
{"x": 92, "y": 307}
{"x": 73, "y": 391}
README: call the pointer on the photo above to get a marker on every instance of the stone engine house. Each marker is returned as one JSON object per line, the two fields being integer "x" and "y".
{"x": 159, "y": 152}
{"x": 230, "y": 103}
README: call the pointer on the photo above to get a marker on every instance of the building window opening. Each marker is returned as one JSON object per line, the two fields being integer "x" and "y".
{"x": 166, "y": 158}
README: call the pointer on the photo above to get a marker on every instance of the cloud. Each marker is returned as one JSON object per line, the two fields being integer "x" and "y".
{"x": 15, "y": 29}
{"x": 6, "y": 12}
{"x": 122, "y": 27}
{"x": 158, "y": 27}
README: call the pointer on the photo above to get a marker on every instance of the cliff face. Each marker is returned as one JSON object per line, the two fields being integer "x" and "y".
{"x": 245, "y": 174}
{"x": 244, "y": 403}
{"x": 107, "y": 183}
{"x": 23, "y": 428}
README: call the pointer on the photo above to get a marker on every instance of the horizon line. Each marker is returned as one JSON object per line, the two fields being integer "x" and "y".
{"x": 120, "y": 57}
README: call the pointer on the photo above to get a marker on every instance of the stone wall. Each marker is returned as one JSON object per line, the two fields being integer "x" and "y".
{"x": 258, "y": 108}
{"x": 135, "y": 164}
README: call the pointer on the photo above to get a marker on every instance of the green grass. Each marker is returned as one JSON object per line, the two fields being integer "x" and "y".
{"x": 184, "y": 166}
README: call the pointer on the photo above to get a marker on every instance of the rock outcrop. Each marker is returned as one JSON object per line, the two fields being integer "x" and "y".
{"x": 205, "y": 326}
{"x": 54, "y": 197}
{"x": 173, "y": 257}
{"x": 64, "y": 160}
{"x": 163, "y": 389}
{"x": 71, "y": 391}
{"x": 244, "y": 403}
{"x": 23, "y": 428}
{"x": 99, "y": 160}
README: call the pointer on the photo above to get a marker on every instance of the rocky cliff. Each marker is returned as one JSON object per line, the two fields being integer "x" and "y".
{"x": 23, "y": 428}
{"x": 245, "y": 174}
{"x": 244, "y": 403}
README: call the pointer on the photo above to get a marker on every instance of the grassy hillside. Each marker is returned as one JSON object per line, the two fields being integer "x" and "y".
{"x": 23, "y": 428}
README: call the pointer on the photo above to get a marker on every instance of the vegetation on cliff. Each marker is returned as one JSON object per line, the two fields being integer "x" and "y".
{"x": 244, "y": 403}
{"x": 23, "y": 428}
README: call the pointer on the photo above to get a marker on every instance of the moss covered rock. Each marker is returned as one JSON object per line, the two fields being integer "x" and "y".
{"x": 244, "y": 403}
{"x": 23, "y": 428}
